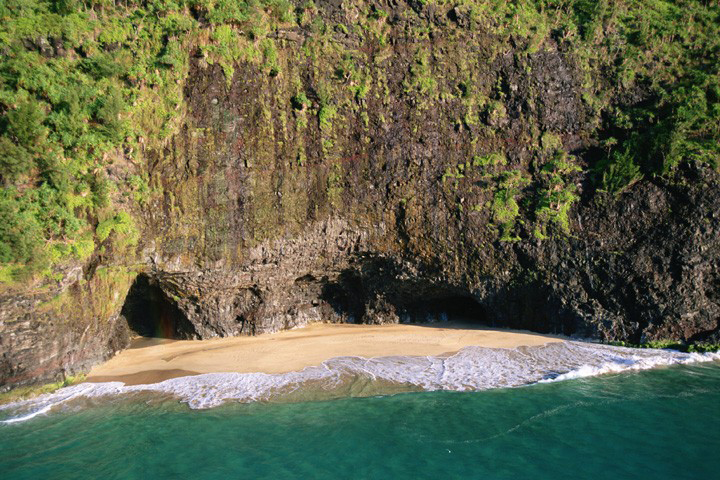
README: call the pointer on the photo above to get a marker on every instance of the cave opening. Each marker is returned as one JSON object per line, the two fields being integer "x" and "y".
{"x": 453, "y": 308}
{"x": 150, "y": 313}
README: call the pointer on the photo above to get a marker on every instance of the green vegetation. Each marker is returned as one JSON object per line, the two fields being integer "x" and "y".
{"x": 672, "y": 345}
{"x": 420, "y": 79}
{"x": 23, "y": 393}
{"x": 505, "y": 208}
{"x": 556, "y": 193}
{"x": 300, "y": 101}
{"x": 619, "y": 171}
{"x": 503, "y": 183}
{"x": 82, "y": 84}
{"x": 665, "y": 50}
{"x": 122, "y": 225}
{"x": 326, "y": 115}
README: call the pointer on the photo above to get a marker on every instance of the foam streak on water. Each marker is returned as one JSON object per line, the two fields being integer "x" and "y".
{"x": 472, "y": 368}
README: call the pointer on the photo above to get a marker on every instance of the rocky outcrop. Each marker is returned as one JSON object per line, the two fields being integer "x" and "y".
{"x": 47, "y": 335}
{"x": 279, "y": 286}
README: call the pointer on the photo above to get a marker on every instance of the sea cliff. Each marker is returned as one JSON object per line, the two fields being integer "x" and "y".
{"x": 551, "y": 166}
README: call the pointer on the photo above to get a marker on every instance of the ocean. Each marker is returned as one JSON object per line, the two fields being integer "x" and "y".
{"x": 625, "y": 414}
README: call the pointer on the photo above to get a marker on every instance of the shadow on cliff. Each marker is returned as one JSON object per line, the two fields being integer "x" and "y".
{"x": 375, "y": 291}
{"x": 378, "y": 290}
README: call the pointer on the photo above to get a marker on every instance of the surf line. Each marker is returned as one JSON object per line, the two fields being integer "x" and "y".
{"x": 45, "y": 408}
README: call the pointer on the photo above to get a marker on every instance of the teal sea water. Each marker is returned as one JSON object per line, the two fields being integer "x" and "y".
{"x": 659, "y": 423}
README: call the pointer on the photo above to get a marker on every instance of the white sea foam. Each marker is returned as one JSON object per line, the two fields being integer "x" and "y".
{"x": 44, "y": 403}
{"x": 472, "y": 368}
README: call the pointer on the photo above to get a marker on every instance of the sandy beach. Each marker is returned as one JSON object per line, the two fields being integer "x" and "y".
{"x": 154, "y": 360}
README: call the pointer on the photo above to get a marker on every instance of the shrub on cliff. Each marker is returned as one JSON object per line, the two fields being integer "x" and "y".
{"x": 619, "y": 172}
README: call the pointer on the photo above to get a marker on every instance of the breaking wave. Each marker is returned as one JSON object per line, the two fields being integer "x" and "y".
{"x": 470, "y": 369}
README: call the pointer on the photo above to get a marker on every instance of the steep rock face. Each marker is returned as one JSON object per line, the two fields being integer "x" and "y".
{"x": 636, "y": 270}
{"x": 399, "y": 176}
{"x": 51, "y": 334}
{"x": 637, "y": 266}
{"x": 642, "y": 266}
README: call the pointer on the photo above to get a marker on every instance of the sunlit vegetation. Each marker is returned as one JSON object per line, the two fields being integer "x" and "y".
{"x": 82, "y": 83}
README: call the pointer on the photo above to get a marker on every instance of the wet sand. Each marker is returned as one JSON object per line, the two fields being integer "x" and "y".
{"x": 154, "y": 360}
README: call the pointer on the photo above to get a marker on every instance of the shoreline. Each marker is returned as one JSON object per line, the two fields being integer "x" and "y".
{"x": 493, "y": 363}
{"x": 152, "y": 360}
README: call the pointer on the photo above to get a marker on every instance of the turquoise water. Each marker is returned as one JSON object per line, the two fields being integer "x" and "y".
{"x": 662, "y": 423}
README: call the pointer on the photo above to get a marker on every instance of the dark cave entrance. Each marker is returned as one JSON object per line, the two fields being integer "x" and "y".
{"x": 453, "y": 308}
{"x": 150, "y": 313}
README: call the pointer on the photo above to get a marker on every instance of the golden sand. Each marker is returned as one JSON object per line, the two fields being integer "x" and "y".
{"x": 155, "y": 360}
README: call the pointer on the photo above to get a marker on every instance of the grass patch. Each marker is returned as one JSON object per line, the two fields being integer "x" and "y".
{"x": 24, "y": 393}
{"x": 699, "y": 347}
